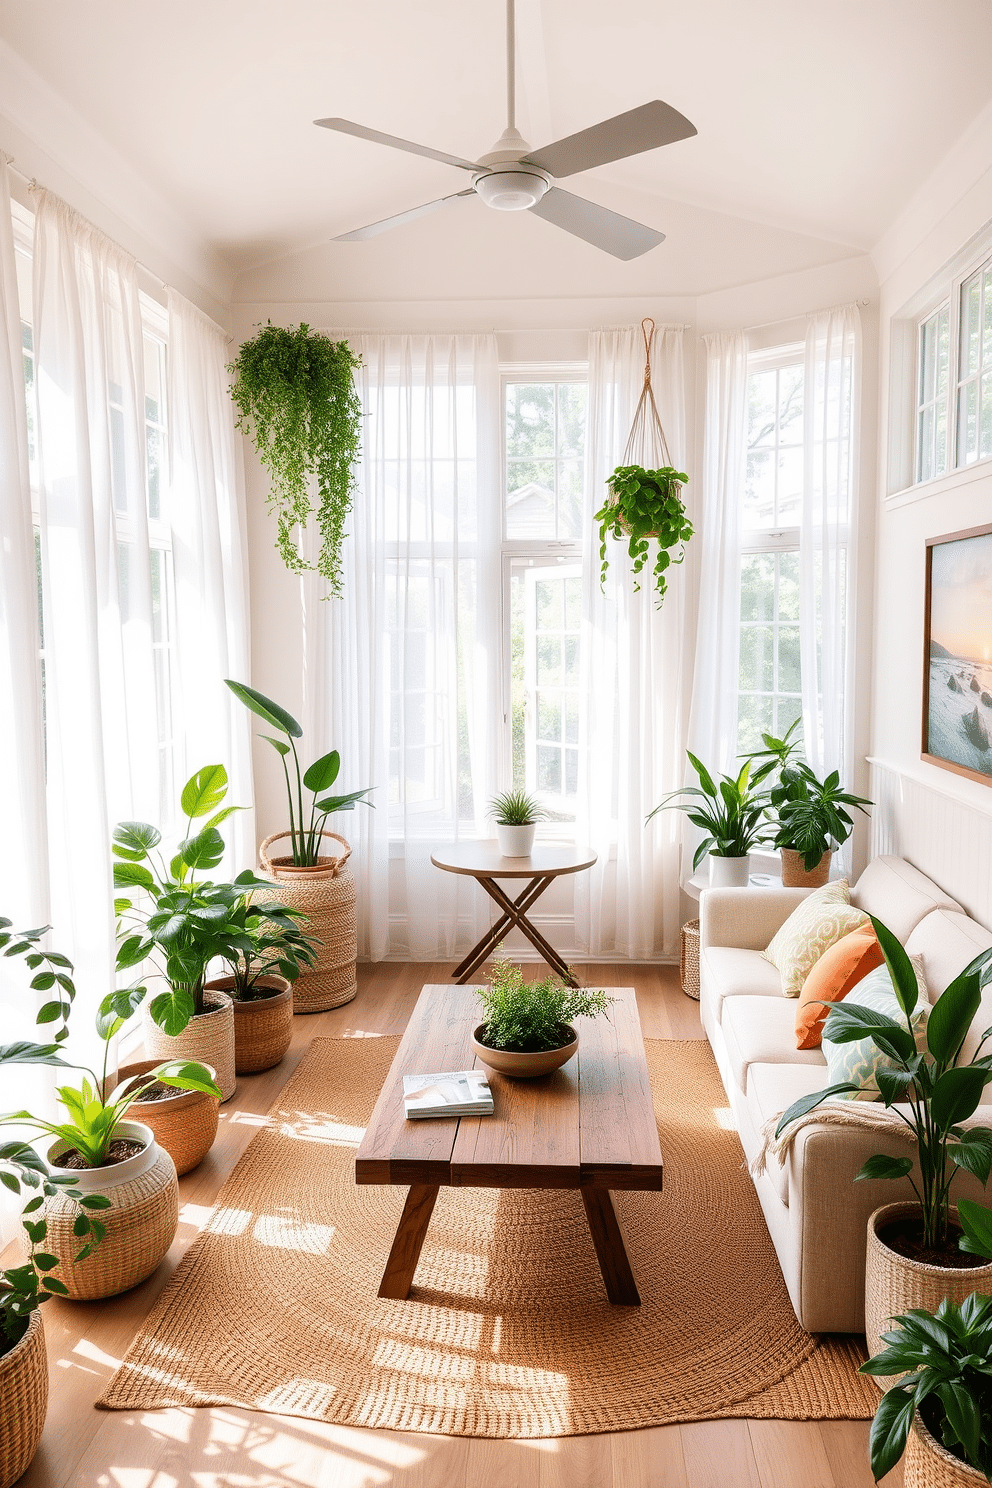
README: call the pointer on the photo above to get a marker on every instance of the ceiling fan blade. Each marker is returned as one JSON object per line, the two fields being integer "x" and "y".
{"x": 374, "y": 228}
{"x": 618, "y": 235}
{"x": 643, "y": 128}
{"x": 345, "y": 126}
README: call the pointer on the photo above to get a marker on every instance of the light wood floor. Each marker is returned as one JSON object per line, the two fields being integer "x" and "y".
{"x": 234, "y": 1448}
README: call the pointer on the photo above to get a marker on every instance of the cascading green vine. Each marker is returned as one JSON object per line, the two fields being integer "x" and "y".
{"x": 296, "y": 399}
{"x": 645, "y": 506}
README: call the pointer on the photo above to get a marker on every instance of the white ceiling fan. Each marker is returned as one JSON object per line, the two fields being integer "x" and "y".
{"x": 515, "y": 178}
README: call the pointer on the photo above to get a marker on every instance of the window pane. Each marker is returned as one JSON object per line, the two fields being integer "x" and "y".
{"x": 788, "y": 659}
{"x": 549, "y": 660}
{"x": 968, "y": 423}
{"x": 759, "y": 489}
{"x": 530, "y": 502}
{"x": 757, "y": 658}
{"x": 548, "y": 594}
{"x": 570, "y": 484}
{"x": 757, "y": 586}
{"x": 754, "y": 718}
{"x": 572, "y": 398}
{"x": 530, "y": 419}
{"x": 549, "y": 770}
{"x": 788, "y": 586}
{"x": 970, "y": 325}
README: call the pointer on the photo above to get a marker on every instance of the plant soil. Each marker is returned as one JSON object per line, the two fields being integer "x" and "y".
{"x": 905, "y": 1237}
{"x": 159, "y": 1092}
{"x": 566, "y": 1036}
{"x": 932, "y": 1414}
{"x": 119, "y": 1151}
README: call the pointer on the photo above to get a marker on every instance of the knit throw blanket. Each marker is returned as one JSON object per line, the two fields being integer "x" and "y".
{"x": 864, "y": 1114}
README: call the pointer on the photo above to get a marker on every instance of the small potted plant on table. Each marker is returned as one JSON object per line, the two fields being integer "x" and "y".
{"x": 516, "y": 815}
{"x": 320, "y": 886}
{"x": 527, "y": 1029}
{"x": 731, "y": 813}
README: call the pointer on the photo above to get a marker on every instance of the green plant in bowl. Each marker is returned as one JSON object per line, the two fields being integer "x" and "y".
{"x": 528, "y": 1017}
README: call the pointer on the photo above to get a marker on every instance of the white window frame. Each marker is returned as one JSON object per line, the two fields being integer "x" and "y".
{"x": 547, "y": 553}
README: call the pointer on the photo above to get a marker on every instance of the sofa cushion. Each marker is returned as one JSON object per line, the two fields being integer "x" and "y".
{"x": 811, "y": 929}
{"x": 840, "y": 968}
{"x": 899, "y": 895}
{"x": 729, "y": 972}
{"x": 761, "y": 1030}
{"x": 859, "y": 1060}
{"x": 946, "y": 942}
{"x": 771, "y": 1089}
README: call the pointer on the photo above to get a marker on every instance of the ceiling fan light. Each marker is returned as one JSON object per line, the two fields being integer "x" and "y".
{"x": 512, "y": 190}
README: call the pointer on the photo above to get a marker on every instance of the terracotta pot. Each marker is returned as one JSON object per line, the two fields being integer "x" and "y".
{"x": 524, "y": 1066}
{"x": 141, "y": 1222}
{"x": 795, "y": 874}
{"x": 185, "y": 1123}
{"x": 208, "y": 1038}
{"x": 23, "y": 1401}
{"x": 894, "y": 1283}
{"x": 928, "y": 1464}
{"x": 326, "y": 896}
{"x": 515, "y": 839}
{"x": 729, "y": 873}
{"x": 263, "y": 1027}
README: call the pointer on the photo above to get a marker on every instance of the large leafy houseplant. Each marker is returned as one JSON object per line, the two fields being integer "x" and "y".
{"x": 930, "y": 1090}
{"x": 171, "y": 916}
{"x": 811, "y": 814}
{"x": 296, "y": 400}
{"x": 305, "y": 827}
{"x": 275, "y": 942}
{"x": 946, "y": 1360}
{"x": 730, "y": 811}
{"x": 24, "y": 1287}
{"x": 645, "y": 506}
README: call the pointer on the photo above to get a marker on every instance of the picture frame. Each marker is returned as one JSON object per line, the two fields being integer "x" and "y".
{"x": 957, "y": 653}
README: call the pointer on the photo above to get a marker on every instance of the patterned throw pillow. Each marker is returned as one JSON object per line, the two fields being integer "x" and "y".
{"x": 838, "y": 972}
{"x": 812, "y": 928}
{"x": 858, "y": 1061}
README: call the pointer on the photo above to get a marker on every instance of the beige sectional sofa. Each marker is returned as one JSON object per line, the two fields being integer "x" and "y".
{"x": 816, "y": 1214}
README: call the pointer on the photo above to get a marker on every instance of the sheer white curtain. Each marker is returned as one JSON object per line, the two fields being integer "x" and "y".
{"x": 24, "y": 861}
{"x": 832, "y": 380}
{"x": 402, "y": 673}
{"x": 209, "y": 548}
{"x": 713, "y": 718}
{"x": 634, "y": 678}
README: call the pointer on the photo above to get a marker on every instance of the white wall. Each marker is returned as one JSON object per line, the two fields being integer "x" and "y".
{"x": 940, "y": 820}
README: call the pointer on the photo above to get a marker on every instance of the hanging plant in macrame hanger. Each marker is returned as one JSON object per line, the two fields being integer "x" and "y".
{"x": 644, "y": 504}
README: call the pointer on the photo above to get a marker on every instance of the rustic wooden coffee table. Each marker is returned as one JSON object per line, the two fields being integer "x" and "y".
{"x": 589, "y": 1125}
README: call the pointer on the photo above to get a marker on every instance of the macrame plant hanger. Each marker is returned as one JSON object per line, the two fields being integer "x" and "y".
{"x": 646, "y": 443}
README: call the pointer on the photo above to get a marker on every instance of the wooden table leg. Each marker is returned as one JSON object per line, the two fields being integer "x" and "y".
{"x": 608, "y": 1240}
{"x": 496, "y": 932}
{"x": 515, "y": 910}
{"x": 408, "y": 1242}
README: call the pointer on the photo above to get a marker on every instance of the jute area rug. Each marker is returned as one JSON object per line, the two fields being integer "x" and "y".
{"x": 507, "y": 1332}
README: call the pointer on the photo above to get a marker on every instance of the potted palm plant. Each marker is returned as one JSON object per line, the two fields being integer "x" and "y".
{"x": 645, "y": 506}
{"x": 180, "y": 922}
{"x": 812, "y": 820}
{"x": 321, "y": 886}
{"x": 527, "y": 1030}
{"x": 730, "y": 811}
{"x": 913, "y": 1257}
{"x": 516, "y": 815}
{"x": 940, "y": 1412}
{"x": 260, "y": 982}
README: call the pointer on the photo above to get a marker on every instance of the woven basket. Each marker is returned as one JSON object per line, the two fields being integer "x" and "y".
{"x": 795, "y": 874}
{"x": 23, "y": 1401}
{"x": 185, "y": 1124}
{"x": 894, "y": 1283}
{"x": 326, "y": 895}
{"x": 207, "y": 1038}
{"x": 689, "y": 959}
{"x": 263, "y": 1029}
{"x": 928, "y": 1464}
{"x": 141, "y": 1222}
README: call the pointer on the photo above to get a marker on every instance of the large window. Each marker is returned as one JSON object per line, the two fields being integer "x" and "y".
{"x": 953, "y": 398}
{"x": 544, "y": 458}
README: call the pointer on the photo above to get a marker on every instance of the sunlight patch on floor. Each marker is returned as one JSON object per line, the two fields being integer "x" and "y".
{"x": 228, "y": 1222}
{"x": 308, "y": 1126}
{"x": 249, "y": 1118}
{"x": 289, "y": 1234}
{"x": 90, "y": 1351}
{"x": 725, "y": 1118}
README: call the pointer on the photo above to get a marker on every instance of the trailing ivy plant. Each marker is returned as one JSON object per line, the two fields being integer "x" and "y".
{"x": 645, "y": 506}
{"x": 295, "y": 395}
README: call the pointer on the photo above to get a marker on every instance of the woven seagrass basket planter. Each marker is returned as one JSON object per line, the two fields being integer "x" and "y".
{"x": 208, "y": 1038}
{"x": 184, "y": 1123}
{"x": 689, "y": 959}
{"x": 894, "y": 1283}
{"x": 928, "y": 1464}
{"x": 326, "y": 895}
{"x": 263, "y": 1027}
{"x": 141, "y": 1222}
{"x": 795, "y": 874}
{"x": 23, "y": 1401}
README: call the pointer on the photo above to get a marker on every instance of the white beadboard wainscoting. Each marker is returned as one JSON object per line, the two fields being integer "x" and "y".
{"x": 943, "y": 833}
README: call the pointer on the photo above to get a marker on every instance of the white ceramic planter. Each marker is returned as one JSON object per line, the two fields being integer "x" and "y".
{"x": 516, "y": 841}
{"x": 141, "y": 1222}
{"x": 729, "y": 873}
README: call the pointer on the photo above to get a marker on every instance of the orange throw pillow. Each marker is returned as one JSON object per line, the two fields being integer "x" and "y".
{"x": 839, "y": 969}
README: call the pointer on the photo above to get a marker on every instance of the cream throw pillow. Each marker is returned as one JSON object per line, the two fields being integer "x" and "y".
{"x": 812, "y": 928}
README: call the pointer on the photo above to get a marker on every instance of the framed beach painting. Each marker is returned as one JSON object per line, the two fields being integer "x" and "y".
{"x": 957, "y": 663}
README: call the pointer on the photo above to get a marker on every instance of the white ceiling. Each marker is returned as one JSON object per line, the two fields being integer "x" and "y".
{"x": 816, "y": 118}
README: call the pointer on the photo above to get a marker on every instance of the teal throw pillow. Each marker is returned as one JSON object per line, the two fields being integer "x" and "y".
{"x": 857, "y": 1062}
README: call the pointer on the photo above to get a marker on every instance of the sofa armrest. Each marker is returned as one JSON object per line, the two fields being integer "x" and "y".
{"x": 746, "y": 918}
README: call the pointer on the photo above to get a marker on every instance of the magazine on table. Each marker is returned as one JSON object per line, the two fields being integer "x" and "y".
{"x": 452, "y": 1093}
